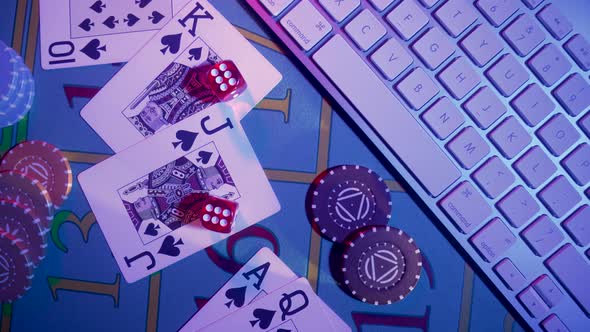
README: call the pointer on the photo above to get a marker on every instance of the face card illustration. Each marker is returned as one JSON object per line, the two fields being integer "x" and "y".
{"x": 164, "y": 83}
{"x": 93, "y": 18}
{"x": 135, "y": 194}
{"x": 154, "y": 202}
{"x": 262, "y": 274}
{"x": 294, "y": 307}
{"x": 178, "y": 92}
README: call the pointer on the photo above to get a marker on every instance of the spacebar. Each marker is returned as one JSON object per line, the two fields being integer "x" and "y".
{"x": 401, "y": 132}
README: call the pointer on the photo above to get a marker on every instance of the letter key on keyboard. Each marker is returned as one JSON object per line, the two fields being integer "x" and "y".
{"x": 533, "y": 105}
{"x": 433, "y": 48}
{"x": 507, "y": 75}
{"x": 459, "y": 78}
{"x": 443, "y": 118}
{"x": 387, "y": 115}
{"x": 577, "y": 164}
{"x": 456, "y": 16}
{"x": 365, "y": 30}
{"x": 468, "y": 148}
{"x": 407, "y": 19}
{"x": 558, "y": 134}
{"x": 391, "y": 59}
{"x": 484, "y": 107}
{"x": 535, "y": 167}
{"x": 510, "y": 137}
{"x": 339, "y": 10}
{"x": 417, "y": 88}
{"x": 481, "y": 45}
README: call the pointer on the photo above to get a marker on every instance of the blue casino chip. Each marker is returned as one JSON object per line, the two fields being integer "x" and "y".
{"x": 9, "y": 65}
{"x": 381, "y": 265}
{"x": 345, "y": 198}
{"x": 17, "y": 104}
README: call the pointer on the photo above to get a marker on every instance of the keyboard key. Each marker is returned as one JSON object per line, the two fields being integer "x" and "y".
{"x": 510, "y": 275}
{"x": 533, "y": 302}
{"x": 340, "y": 9}
{"x": 429, "y": 3}
{"x": 535, "y": 167}
{"x": 484, "y": 107}
{"x": 558, "y": 134}
{"x": 559, "y": 196}
{"x": 518, "y": 206}
{"x": 523, "y": 34}
{"x": 532, "y": 4}
{"x": 510, "y": 137}
{"x": 417, "y": 88}
{"x": 407, "y": 19}
{"x": 577, "y": 164}
{"x": 443, "y": 118}
{"x": 497, "y": 11}
{"x": 573, "y": 94}
{"x": 306, "y": 25}
{"x": 533, "y": 105}
{"x": 391, "y": 59}
{"x": 584, "y": 123}
{"x": 573, "y": 272}
{"x": 493, "y": 240}
{"x": 380, "y": 5}
{"x": 466, "y": 207}
{"x": 578, "y": 226}
{"x": 456, "y": 16}
{"x": 579, "y": 49}
{"x": 433, "y": 48}
{"x": 365, "y": 30}
{"x": 549, "y": 64}
{"x": 507, "y": 75}
{"x": 542, "y": 236}
{"x": 547, "y": 289}
{"x": 553, "y": 324}
{"x": 459, "y": 78}
{"x": 481, "y": 45}
{"x": 493, "y": 177}
{"x": 275, "y": 7}
{"x": 468, "y": 148}
{"x": 557, "y": 24}
{"x": 397, "y": 126}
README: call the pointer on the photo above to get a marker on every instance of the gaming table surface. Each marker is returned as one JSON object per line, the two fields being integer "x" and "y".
{"x": 296, "y": 134}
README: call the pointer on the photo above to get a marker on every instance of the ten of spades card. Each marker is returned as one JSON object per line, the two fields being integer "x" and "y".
{"x": 162, "y": 85}
{"x": 138, "y": 196}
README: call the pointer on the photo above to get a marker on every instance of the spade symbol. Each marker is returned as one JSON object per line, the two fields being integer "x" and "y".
{"x": 204, "y": 157}
{"x": 195, "y": 53}
{"x": 236, "y": 296}
{"x": 151, "y": 229}
{"x": 111, "y": 22}
{"x": 186, "y": 139}
{"x": 131, "y": 20}
{"x": 264, "y": 318}
{"x": 98, "y": 6}
{"x": 93, "y": 48}
{"x": 142, "y": 3}
{"x": 86, "y": 25}
{"x": 156, "y": 17}
{"x": 171, "y": 43}
{"x": 169, "y": 247}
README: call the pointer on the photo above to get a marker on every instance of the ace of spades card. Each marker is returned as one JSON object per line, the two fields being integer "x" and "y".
{"x": 293, "y": 307}
{"x": 208, "y": 151}
{"x": 261, "y": 275}
{"x": 157, "y": 87}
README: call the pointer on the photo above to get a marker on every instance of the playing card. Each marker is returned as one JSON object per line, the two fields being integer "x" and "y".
{"x": 261, "y": 275}
{"x": 78, "y": 33}
{"x": 294, "y": 307}
{"x": 139, "y": 196}
{"x": 166, "y": 82}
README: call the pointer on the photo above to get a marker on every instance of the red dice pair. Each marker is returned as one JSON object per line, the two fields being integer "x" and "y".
{"x": 225, "y": 80}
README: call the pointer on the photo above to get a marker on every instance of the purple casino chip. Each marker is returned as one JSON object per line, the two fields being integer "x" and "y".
{"x": 381, "y": 265}
{"x": 28, "y": 192}
{"x": 16, "y": 267}
{"x": 20, "y": 220}
{"x": 345, "y": 198}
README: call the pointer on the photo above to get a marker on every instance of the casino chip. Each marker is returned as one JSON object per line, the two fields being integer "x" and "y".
{"x": 17, "y": 87}
{"x": 345, "y": 198}
{"x": 16, "y": 267}
{"x": 45, "y": 163}
{"x": 20, "y": 221}
{"x": 381, "y": 265}
{"x": 17, "y": 187}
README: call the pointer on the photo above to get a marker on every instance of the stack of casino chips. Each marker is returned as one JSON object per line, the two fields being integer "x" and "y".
{"x": 17, "y": 87}
{"x": 35, "y": 178}
{"x": 350, "y": 205}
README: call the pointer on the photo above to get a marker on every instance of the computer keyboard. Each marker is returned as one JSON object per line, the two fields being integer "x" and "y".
{"x": 484, "y": 108}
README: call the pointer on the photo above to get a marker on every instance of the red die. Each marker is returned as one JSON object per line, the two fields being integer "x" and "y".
{"x": 218, "y": 214}
{"x": 226, "y": 80}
